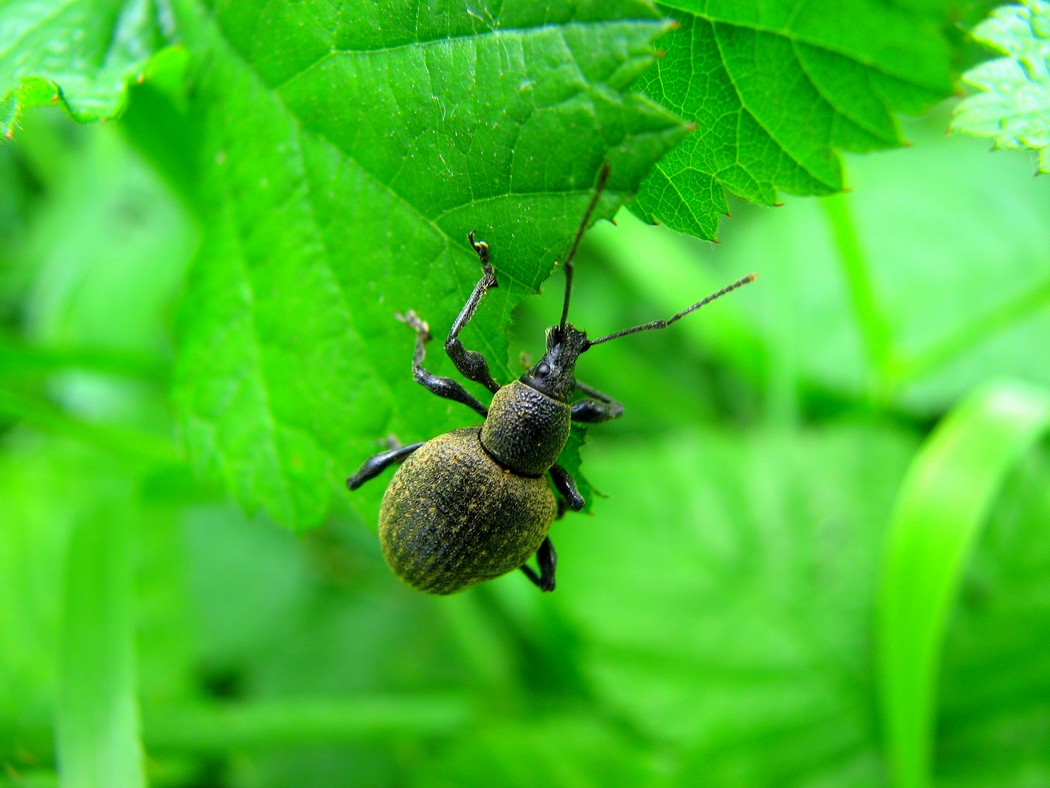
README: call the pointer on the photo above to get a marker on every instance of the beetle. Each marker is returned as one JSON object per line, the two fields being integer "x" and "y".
{"x": 475, "y": 503}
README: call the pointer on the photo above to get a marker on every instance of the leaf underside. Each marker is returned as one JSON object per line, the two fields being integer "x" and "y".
{"x": 776, "y": 90}
{"x": 1013, "y": 102}
{"x": 80, "y": 53}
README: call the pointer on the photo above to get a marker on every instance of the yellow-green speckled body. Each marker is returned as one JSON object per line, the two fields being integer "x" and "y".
{"x": 452, "y": 516}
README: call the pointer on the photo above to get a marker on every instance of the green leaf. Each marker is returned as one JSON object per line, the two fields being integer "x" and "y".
{"x": 776, "y": 89}
{"x": 340, "y": 156}
{"x": 725, "y": 596}
{"x": 1013, "y": 105}
{"x": 80, "y": 52}
{"x": 566, "y": 749}
{"x": 940, "y": 510}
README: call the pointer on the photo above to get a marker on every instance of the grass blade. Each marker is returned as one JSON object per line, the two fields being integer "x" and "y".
{"x": 942, "y": 504}
{"x": 98, "y": 721}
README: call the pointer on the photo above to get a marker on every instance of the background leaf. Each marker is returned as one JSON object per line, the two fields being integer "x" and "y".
{"x": 776, "y": 90}
{"x": 80, "y": 52}
{"x": 1014, "y": 103}
{"x": 764, "y": 546}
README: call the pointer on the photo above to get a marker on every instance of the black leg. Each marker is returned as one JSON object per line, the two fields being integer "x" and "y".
{"x": 548, "y": 561}
{"x": 598, "y": 408}
{"x": 470, "y": 363}
{"x": 566, "y": 487}
{"x": 443, "y": 387}
{"x": 374, "y": 466}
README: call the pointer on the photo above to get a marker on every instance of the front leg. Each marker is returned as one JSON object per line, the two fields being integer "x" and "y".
{"x": 471, "y": 364}
{"x": 598, "y": 408}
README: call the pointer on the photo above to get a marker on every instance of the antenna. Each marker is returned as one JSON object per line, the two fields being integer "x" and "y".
{"x": 599, "y": 187}
{"x": 665, "y": 323}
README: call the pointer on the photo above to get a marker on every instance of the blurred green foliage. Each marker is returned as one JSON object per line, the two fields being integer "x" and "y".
{"x": 1012, "y": 99}
{"x": 716, "y": 618}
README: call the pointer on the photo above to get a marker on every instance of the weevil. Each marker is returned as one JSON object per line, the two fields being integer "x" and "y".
{"x": 476, "y": 503}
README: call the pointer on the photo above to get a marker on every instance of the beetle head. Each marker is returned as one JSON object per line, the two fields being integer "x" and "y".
{"x": 554, "y": 374}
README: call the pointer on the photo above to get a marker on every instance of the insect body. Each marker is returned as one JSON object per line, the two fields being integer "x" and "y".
{"x": 475, "y": 503}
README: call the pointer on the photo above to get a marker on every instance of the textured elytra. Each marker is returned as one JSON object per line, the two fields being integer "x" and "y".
{"x": 539, "y": 428}
{"x": 453, "y": 517}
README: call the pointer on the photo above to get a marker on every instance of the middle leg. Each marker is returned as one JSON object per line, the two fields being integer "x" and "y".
{"x": 598, "y": 408}
{"x": 443, "y": 387}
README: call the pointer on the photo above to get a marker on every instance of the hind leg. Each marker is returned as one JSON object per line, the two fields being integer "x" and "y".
{"x": 548, "y": 561}
{"x": 376, "y": 464}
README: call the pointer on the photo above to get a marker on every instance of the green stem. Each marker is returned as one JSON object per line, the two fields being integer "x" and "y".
{"x": 260, "y": 725}
{"x": 17, "y": 359}
{"x": 976, "y": 332}
{"x": 97, "y": 720}
{"x": 870, "y": 316}
{"x": 131, "y": 443}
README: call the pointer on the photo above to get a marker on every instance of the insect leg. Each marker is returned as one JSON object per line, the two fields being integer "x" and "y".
{"x": 443, "y": 387}
{"x": 599, "y": 407}
{"x": 376, "y": 464}
{"x": 548, "y": 561}
{"x": 470, "y": 363}
{"x": 566, "y": 487}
